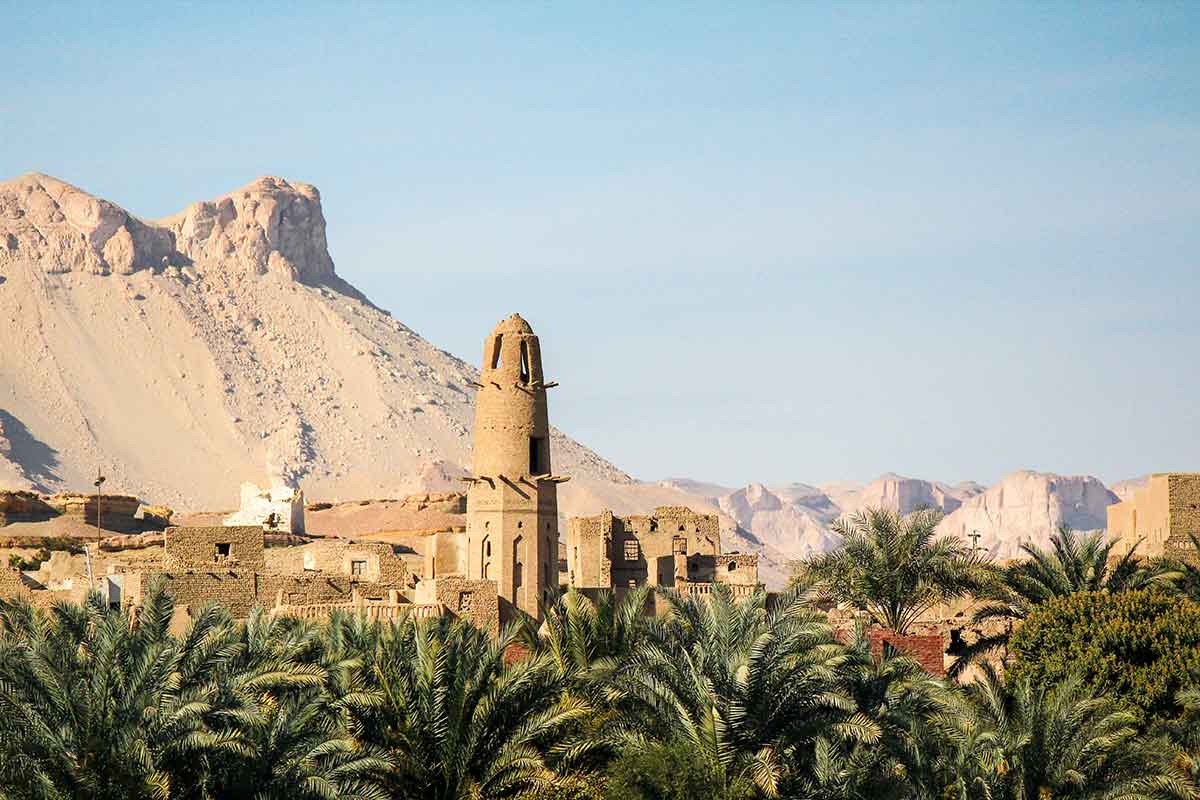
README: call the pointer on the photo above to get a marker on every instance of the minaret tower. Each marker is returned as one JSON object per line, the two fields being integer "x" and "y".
{"x": 512, "y": 503}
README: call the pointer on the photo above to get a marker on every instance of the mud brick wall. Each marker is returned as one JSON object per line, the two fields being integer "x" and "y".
{"x": 11, "y": 585}
{"x": 475, "y": 601}
{"x": 335, "y": 558}
{"x": 1184, "y": 511}
{"x": 236, "y": 591}
{"x": 197, "y": 547}
{"x": 737, "y": 569}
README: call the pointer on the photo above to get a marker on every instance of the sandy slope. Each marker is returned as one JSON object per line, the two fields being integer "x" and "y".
{"x": 182, "y": 381}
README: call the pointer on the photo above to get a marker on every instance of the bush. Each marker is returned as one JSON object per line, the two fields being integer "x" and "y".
{"x": 1140, "y": 647}
{"x": 667, "y": 772}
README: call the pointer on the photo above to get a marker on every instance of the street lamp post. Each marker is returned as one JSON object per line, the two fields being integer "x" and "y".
{"x": 98, "y": 483}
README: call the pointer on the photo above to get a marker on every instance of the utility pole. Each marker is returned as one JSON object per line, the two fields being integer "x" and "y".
{"x": 98, "y": 483}
{"x": 974, "y": 541}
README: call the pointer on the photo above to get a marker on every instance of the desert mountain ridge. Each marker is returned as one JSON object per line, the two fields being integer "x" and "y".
{"x": 187, "y": 354}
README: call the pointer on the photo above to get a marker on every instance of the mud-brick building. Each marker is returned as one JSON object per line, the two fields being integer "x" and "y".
{"x": 231, "y": 566}
{"x": 674, "y": 548}
{"x": 1164, "y": 514}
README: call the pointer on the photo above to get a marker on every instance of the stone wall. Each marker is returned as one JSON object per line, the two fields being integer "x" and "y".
{"x": 1163, "y": 514}
{"x": 234, "y": 547}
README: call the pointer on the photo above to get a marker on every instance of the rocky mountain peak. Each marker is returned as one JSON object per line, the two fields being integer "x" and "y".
{"x": 269, "y": 225}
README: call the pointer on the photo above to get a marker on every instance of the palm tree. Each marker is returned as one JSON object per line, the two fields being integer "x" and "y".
{"x": 460, "y": 723}
{"x": 1073, "y": 564}
{"x": 893, "y": 567}
{"x": 306, "y": 684}
{"x": 901, "y": 715}
{"x": 747, "y": 688}
{"x": 97, "y": 704}
{"x": 1027, "y": 742}
{"x": 582, "y": 636}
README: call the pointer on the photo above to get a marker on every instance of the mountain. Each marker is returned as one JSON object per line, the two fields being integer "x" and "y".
{"x": 1028, "y": 507}
{"x": 790, "y": 522}
{"x": 185, "y": 355}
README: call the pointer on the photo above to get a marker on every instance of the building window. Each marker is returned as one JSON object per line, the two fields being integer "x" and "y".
{"x": 633, "y": 583}
{"x": 358, "y": 567}
{"x": 223, "y": 550}
{"x": 496, "y": 350}
{"x": 631, "y": 550}
{"x": 679, "y": 545}
{"x": 524, "y": 361}
{"x": 732, "y": 566}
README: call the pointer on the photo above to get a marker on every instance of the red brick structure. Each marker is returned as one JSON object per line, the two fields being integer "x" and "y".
{"x": 926, "y": 650}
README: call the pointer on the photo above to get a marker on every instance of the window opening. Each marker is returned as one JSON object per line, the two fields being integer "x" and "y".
{"x": 524, "y": 362}
{"x": 358, "y": 567}
{"x": 496, "y": 350}
{"x": 537, "y": 461}
{"x": 223, "y": 550}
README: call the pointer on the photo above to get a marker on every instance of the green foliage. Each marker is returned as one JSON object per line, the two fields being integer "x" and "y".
{"x": 735, "y": 701}
{"x": 670, "y": 771}
{"x": 893, "y": 567}
{"x": 1068, "y": 741}
{"x": 1072, "y": 564}
{"x": 1138, "y": 646}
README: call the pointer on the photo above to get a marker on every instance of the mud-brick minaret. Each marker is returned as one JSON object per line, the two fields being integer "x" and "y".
{"x": 512, "y": 503}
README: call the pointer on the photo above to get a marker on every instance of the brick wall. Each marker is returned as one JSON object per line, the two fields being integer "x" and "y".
{"x": 927, "y": 650}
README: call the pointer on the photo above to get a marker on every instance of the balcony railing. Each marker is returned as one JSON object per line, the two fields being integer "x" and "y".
{"x": 736, "y": 590}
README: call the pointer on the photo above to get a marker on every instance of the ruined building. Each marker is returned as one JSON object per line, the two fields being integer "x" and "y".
{"x": 675, "y": 548}
{"x": 1164, "y": 514}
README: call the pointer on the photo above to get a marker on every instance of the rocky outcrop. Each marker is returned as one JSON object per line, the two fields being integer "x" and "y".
{"x": 1027, "y": 507}
{"x": 22, "y": 506}
{"x": 52, "y": 223}
{"x": 784, "y": 524}
{"x": 269, "y": 225}
{"x": 905, "y": 495}
{"x": 444, "y": 502}
{"x": 117, "y": 511}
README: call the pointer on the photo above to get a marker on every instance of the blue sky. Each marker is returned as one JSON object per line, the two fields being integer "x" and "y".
{"x": 769, "y": 242}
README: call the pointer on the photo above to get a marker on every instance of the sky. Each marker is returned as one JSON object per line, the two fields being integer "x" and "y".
{"x": 766, "y": 242}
